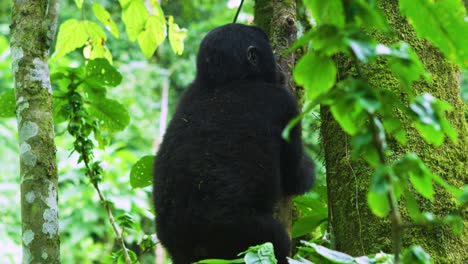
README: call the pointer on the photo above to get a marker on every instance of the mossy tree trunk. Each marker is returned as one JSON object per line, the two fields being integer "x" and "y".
{"x": 355, "y": 229}
{"x": 33, "y": 28}
{"x": 278, "y": 19}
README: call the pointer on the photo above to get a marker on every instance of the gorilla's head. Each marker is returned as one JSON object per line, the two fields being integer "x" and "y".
{"x": 235, "y": 52}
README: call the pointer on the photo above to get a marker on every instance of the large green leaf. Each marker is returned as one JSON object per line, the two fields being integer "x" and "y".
{"x": 104, "y": 17}
{"x": 331, "y": 255}
{"x": 112, "y": 116}
{"x": 377, "y": 198}
{"x": 307, "y": 224}
{"x": 176, "y": 36}
{"x": 141, "y": 174}
{"x": 327, "y": 12}
{"x": 316, "y": 73}
{"x": 100, "y": 72}
{"x": 153, "y": 35}
{"x": 72, "y": 34}
{"x": 134, "y": 15}
{"x": 441, "y": 22}
{"x": 420, "y": 176}
{"x": 431, "y": 122}
{"x": 7, "y": 103}
{"x": 415, "y": 255}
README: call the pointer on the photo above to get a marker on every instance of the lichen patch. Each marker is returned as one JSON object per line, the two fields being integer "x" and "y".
{"x": 16, "y": 55}
{"x": 28, "y": 236}
{"x": 28, "y": 130}
{"x": 40, "y": 72}
{"x": 50, "y": 226}
{"x": 30, "y": 197}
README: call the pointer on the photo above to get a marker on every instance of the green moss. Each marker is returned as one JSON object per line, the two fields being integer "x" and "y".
{"x": 355, "y": 229}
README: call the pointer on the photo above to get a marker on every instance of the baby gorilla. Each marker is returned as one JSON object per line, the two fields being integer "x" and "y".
{"x": 223, "y": 165}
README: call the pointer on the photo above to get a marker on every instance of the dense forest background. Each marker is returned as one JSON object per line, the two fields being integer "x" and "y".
{"x": 149, "y": 90}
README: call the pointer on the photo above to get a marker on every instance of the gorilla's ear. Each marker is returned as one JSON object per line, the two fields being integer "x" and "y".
{"x": 252, "y": 55}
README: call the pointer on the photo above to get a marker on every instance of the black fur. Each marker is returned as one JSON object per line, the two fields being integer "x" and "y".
{"x": 223, "y": 164}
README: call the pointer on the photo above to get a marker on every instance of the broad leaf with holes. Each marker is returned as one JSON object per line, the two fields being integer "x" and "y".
{"x": 141, "y": 174}
{"x": 100, "y": 72}
{"x": 111, "y": 115}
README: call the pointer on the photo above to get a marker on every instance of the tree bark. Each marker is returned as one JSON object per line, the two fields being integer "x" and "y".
{"x": 33, "y": 28}
{"x": 278, "y": 19}
{"x": 356, "y": 230}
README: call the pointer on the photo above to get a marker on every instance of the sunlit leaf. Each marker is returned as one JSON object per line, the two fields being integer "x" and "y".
{"x": 134, "y": 15}
{"x": 176, "y": 36}
{"x": 316, "y": 73}
{"x": 152, "y": 36}
{"x": 104, "y": 17}
{"x": 72, "y": 34}
{"x": 79, "y": 3}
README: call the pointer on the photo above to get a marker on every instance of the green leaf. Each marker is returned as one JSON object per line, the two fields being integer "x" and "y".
{"x": 176, "y": 36}
{"x": 327, "y": 12}
{"x": 72, "y": 34}
{"x": 307, "y": 224}
{"x": 316, "y": 73}
{"x": 95, "y": 32}
{"x": 152, "y": 36}
{"x": 423, "y": 185}
{"x": 420, "y": 176}
{"x": 79, "y": 3}
{"x": 346, "y": 113}
{"x": 394, "y": 127}
{"x": 219, "y": 261}
{"x": 368, "y": 13}
{"x": 7, "y": 103}
{"x": 463, "y": 198}
{"x": 263, "y": 253}
{"x": 377, "y": 197}
{"x": 100, "y": 72}
{"x": 134, "y": 15}
{"x": 329, "y": 40}
{"x": 431, "y": 121}
{"x": 406, "y": 66}
{"x": 441, "y": 22}
{"x": 92, "y": 52}
{"x": 331, "y": 255}
{"x": 141, "y": 174}
{"x": 104, "y": 17}
{"x": 412, "y": 206}
{"x": 415, "y": 255}
{"x": 112, "y": 116}
{"x": 378, "y": 203}
{"x": 455, "y": 222}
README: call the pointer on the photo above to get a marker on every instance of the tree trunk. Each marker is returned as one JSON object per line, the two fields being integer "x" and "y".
{"x": 356, "y": 230}
{"x": 33, "y": 28}
{"x": 278, "y": 19}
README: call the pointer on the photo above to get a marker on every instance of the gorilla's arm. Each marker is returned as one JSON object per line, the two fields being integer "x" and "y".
{"x": 297, "y": 169}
